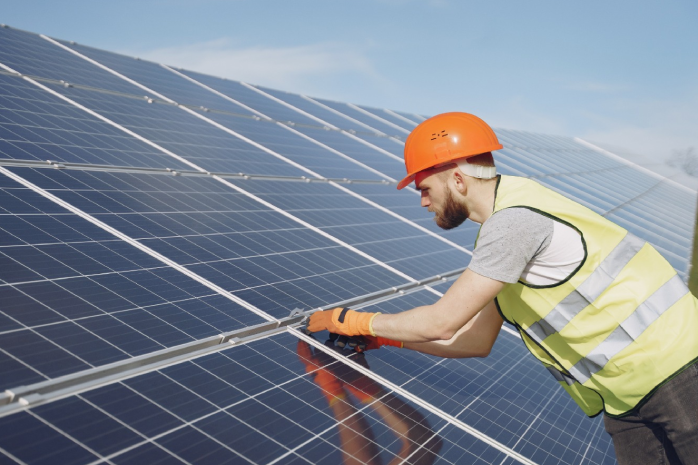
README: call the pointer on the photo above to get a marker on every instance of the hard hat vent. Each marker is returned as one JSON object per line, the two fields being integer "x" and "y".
{"x": 436, "y": 135}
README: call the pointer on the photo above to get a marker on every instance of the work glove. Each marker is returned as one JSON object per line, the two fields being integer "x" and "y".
{"x": 363, "y": 343}
{"x": 343, "y": 321}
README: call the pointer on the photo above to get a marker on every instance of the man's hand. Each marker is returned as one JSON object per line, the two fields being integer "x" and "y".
{"x": 363, "y": 343}
{"x": 343, "y": 321}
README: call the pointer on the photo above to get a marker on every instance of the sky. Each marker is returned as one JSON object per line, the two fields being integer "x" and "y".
{"x": 620, "y": 73}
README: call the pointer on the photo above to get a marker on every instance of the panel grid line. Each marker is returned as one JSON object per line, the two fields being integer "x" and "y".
{"x": 285, "y": 126}
{"x": 377, "y": 118}
{"x": 465, "y": 427}
{"x": 229, "y": 184}
{"x": 135, "y": 243}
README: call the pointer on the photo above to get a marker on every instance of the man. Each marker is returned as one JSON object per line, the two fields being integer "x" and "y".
{"x": 601, "y": 309}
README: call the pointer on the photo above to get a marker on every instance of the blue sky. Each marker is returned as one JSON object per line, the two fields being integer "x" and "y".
{"x": 623, "y": 73}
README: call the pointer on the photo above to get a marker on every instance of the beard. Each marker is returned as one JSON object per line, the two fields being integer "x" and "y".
{"x": 452, "y": 215}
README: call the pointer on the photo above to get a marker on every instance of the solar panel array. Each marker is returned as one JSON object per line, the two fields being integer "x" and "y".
{"x": 158, "y": 227}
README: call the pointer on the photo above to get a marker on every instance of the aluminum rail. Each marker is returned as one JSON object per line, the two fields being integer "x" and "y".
{"x": 24, "y": 397}
{"x": 173, "y": 172}
{"x": 159, "y": 101}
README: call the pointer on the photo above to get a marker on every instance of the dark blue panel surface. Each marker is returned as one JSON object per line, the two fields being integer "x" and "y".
{"x": 365, "y": 119}
{"x": 183, "y": 134}
{"x": 369, "y": 229}
{"x": 40, "y": 126}
{"x": 371, "y": 152}
{"x": 318, "y": 409}
{"x": 407, "y": 203}
{"x": 224, "y": 236}
{"x": 388, "y": 144}
{"x": 74, "y": 297}
{"x": 399, "y": 120}
{"x": 29, "y": 54}
{"x": 232, "y": 116}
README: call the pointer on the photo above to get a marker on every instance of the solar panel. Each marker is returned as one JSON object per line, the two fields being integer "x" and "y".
{"x": 149, "y": 268}
{"x": 274, "y": 400}
{"x": 391, "y": 117}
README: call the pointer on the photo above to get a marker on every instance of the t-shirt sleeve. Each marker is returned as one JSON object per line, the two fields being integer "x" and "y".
{"x": 508, "y": 240}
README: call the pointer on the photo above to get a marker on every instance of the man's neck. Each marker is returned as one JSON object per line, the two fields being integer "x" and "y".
{"x": 481, "y": 196}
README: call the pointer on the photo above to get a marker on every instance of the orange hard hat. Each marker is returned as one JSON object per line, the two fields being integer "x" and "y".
{"x": 444, "y": 138}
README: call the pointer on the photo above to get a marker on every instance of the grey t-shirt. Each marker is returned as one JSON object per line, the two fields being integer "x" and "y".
{"x": 508, "y": 240}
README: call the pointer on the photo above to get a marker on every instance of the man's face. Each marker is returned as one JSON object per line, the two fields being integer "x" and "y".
{"x": 437, "y": 197}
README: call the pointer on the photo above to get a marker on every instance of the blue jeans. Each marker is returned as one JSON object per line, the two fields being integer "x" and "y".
{"x": 665, "y": 429}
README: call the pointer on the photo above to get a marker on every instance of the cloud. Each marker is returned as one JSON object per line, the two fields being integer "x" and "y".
{"x": 286, "y": 68}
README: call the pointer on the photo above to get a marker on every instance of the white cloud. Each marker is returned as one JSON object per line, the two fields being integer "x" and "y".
{"x": 287, "y": 68}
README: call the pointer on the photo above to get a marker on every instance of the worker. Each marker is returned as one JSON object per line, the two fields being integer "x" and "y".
{"x": 603, "y": 311}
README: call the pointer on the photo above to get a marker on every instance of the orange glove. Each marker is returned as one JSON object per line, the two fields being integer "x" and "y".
{"x": 343, "y": 321}
{"x": 370, "y": 343}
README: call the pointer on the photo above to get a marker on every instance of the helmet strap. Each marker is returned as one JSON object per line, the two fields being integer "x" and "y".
{"x": 477, "y": 171}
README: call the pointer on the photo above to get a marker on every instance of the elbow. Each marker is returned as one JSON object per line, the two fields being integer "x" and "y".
{"x": 481, "y": 352}
{"x": 444, "y": 334}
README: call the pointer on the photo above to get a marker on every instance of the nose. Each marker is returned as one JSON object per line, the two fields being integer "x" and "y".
{"x": 425, "y": 199}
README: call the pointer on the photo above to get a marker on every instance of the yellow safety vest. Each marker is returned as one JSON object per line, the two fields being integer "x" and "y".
{"x": 619, "y": 326}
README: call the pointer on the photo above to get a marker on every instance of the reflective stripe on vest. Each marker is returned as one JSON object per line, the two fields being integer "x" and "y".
{"x": 588, "y": 291}
{"x": 560, "y": 376}
{"x": 630, "y": 329}
{"x": 619, "y": 326}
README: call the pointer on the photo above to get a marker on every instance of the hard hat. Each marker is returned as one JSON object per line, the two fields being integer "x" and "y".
{"x": 445, "y": 138}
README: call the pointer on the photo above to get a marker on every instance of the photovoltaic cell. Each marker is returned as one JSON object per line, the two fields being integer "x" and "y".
{"x": 363, "y": 118}
{"x": 35, "y": 125}
{"x": 272, "y": 400}
{"x": 349, "y": 146}
{"x": 236, "y": 117}
{"x": 75, "y": 297}
{"x": 396, "y": 120}
{"x": 176, "y": 130}
{"x": 183, "y": 134}
{"x": 29, "y": 54}
{"x": 224, "y": 236}
{"x": 388, "y": 144}
{"x": 369, "y": 229}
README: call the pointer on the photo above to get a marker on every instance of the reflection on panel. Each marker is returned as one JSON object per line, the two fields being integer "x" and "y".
{"x": 274, "y": 400}
{"x": 508, "y": 395}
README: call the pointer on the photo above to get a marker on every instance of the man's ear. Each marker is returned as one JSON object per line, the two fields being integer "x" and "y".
{"x": 459, "y": 181}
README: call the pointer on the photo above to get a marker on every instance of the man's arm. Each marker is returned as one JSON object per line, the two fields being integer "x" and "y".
{"x": 441, "y": 321}
{"x": 475, "y": 339}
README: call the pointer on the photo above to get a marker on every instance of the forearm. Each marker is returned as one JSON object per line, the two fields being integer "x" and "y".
{"x": 421, "y": 324}
{"x": 442, "y": 320}
{"x": 443, "y": 349}
{"x": 475, "y": 339}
